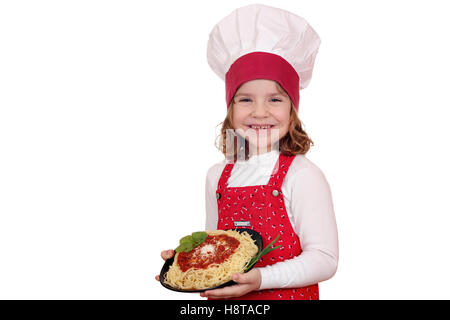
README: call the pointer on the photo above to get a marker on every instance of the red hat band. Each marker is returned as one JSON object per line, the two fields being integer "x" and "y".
{"x": 262, "y": 65}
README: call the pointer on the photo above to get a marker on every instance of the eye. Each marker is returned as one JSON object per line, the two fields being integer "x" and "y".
{"x": 244, "y": 100}
{"x": 275, "y": 100}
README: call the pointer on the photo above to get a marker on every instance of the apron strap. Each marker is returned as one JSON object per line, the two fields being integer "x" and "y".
{"x": 279, "y": 171}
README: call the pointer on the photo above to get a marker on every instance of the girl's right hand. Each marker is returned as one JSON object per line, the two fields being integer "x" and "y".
{"x": 166, "y": 254}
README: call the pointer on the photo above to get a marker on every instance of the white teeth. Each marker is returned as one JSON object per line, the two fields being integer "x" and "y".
{"x": 260, "y": 127}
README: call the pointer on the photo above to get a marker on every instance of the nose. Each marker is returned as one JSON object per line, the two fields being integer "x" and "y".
{"x": 259, "y": 109}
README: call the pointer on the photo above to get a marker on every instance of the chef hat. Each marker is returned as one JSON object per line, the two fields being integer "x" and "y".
{"x": 262, "y": 42}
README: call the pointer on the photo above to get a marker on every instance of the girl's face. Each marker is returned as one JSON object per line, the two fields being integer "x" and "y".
{"x": 261, "y": 114}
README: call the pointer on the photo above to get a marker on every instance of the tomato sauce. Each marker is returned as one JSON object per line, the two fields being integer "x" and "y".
{"x": 215, "y": 249}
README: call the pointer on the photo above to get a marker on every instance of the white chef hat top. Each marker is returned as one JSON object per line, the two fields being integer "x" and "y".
{"x": 259, "y": 28}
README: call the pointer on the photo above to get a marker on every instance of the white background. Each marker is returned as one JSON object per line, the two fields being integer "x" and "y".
{"x": 108, "y": 116}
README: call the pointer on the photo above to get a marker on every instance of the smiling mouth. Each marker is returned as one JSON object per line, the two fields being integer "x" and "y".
{"x": 261, "y": 127}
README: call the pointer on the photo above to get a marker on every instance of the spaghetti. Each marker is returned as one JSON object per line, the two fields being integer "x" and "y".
{"x": 213, "y": 262}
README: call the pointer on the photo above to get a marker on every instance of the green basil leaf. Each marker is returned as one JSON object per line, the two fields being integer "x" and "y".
{"x": 187, "y": 239}
{"x": 199, "y": 237}
{"x": 184, "y": 247}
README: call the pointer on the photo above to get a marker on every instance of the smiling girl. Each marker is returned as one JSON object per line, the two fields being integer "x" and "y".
{"x": 266, "y": 183}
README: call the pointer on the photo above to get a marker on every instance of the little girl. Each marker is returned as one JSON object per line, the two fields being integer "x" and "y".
{"x": 265, "y": 183}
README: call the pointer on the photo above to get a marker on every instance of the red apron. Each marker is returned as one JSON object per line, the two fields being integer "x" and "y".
{"x": 262, "y": 209}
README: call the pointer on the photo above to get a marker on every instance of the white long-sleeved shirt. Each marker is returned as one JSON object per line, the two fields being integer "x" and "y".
{"x": 309, "y": 205}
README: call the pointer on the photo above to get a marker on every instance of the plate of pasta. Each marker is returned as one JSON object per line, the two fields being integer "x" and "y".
{"x": 207, "y": 260}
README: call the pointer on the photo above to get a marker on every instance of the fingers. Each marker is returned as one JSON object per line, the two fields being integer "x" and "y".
{"x": 240, "y": 278}
{"x": 246, "y": 282}
{"x": 167, "y": 254}
{"x": 227, "y": 292}
{"x": 253, "y": 277}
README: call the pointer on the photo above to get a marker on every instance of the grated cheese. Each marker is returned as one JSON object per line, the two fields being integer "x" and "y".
{"x": 208, "y": 249}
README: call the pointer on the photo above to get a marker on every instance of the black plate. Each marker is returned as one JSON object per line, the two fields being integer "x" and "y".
{"x": 255, "y": 236}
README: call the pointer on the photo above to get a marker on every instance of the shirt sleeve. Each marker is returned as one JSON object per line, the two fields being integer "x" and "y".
{"x": 315, "y": 224}
{"x": 210, "y": 200}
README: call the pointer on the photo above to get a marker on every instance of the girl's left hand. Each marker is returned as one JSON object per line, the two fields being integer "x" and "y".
{"x": 246, "y": 282}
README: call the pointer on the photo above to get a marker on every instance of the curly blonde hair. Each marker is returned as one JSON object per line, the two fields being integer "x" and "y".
{"x": 295, "y": 141}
